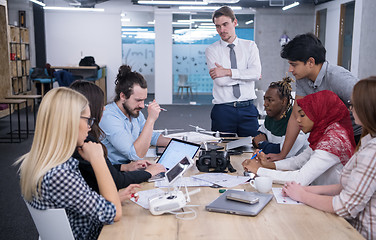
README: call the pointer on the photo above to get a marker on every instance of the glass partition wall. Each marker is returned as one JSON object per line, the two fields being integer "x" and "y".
{"x": 137, "y": 34}
{"x": 192, "y": 34}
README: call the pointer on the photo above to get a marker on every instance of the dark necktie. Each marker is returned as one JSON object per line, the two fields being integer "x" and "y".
{"x": 236, "y": 87}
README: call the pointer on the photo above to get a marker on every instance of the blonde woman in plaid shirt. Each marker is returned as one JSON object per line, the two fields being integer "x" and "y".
{"x": 355, "y": 197}
{"x": 50, "y": 177}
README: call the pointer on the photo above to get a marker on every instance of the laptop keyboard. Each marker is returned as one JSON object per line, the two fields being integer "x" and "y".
{"x": 158, "y": 176}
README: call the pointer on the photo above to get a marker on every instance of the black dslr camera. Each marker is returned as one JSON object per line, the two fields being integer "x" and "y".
{"x": 214, "y": 161}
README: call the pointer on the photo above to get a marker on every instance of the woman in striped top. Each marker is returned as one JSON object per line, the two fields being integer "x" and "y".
{"x": 355, "y": 197}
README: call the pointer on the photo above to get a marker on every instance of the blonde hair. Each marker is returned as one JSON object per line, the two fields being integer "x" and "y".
{"x": 55, "y": 138}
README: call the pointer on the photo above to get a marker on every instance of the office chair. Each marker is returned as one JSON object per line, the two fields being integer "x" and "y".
{"x": 95, "y": 78}
{"x": 42, "y": 81}
{"x": 51, "y": 223}
{"x": 183, "y": 84}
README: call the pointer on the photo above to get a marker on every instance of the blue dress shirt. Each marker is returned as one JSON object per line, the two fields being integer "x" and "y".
{"x": 121, "y": 132}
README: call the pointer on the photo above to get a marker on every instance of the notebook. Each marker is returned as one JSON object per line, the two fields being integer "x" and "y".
{"x": 223, "y": 205}
{"x": 175, "y": 151}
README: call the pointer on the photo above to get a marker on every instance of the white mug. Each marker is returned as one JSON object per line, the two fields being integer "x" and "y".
{"x": 262, "y": 184}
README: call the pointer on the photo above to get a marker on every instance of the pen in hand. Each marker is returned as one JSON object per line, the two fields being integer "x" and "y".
{"x": 256, "y": 154}
{"x": 162, "y": 109}
{"x": 134, "y": 195}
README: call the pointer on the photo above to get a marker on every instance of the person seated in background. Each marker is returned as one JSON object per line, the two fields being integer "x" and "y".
{"x": 128, "y": 135}
{"x": 355, "y": 197}
{"x": 331, "y": 144}
{"x": 277, "y": 103}
{"x": 124, "y": 174}
{"x": 49, "y": 175}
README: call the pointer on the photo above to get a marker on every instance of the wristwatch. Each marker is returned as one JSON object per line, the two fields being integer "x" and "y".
{"x": 259, "y": 143}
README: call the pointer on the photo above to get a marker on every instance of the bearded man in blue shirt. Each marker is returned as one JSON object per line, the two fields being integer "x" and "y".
{"x": 128, "y": 134}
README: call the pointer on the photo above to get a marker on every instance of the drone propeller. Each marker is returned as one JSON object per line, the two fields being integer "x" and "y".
{"x": 215, "y": 133}
{"x": 218, "y": 133}
{"x": 166, "y": 131}
{"x": 197, "y": 128}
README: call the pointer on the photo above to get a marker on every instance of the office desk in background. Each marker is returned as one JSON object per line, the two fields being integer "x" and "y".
{"x": 275, "y": 221}
{"x": 87, "y": 71}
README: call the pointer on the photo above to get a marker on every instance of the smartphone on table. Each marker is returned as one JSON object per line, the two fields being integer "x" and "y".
{"x": 242, "y": 198}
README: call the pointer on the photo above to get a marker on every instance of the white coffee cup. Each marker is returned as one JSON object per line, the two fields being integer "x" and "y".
{"x": 262, "y": 184}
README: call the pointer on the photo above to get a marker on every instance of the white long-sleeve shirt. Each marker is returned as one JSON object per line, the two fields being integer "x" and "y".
{"x": 248, "y": 69}
{"x": 310, "y": 167}
{"x": 300, "y": 144}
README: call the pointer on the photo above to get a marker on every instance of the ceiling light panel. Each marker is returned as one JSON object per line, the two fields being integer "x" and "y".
{"x": 152, "y": 2}
{"x": 207, "y": 7}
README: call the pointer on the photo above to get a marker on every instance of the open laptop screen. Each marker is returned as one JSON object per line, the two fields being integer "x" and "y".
{"x": 176, "y": 150}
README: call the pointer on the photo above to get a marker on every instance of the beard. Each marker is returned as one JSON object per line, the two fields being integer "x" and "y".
{"x": 225, "y": 37}
{"x": 131, "y": 113}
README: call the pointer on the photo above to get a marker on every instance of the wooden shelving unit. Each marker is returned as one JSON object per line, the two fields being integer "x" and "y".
{"x": 19, "y": 60}
{"x": 5, "y": 83}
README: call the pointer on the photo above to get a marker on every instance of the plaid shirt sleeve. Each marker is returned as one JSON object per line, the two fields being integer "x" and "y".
{"x": 67, "y": 189}
{"x": 359, "y": 188}
{"x": 357, "y": 200}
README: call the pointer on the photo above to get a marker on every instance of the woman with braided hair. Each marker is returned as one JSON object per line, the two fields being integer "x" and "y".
{"x": 278, "y": 107}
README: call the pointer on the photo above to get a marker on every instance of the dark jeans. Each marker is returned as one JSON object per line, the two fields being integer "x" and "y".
{"x": 230, "y": 119}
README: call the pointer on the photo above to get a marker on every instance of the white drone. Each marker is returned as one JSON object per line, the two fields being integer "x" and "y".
{"x": 166, "y": 131}
{"x": 216, "y": 133}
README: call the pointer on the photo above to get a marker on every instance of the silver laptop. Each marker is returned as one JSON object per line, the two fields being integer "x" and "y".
{"x": 243, "y": 144}
{"x": 224, "y": 205}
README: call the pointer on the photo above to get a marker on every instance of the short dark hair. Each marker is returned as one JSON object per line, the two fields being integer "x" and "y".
{"x": 302, "y": 47}
{"x": 125, "y": 81}
{"x": 224, "y": 11}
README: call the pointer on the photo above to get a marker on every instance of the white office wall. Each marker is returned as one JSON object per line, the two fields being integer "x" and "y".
{"x": 333, "y": 9}
{"x": 270, "y": 24}
{"x": 163, "y": 56}
{"x": 355, "y": 53}
{"x": 72, "y": 35}
{"x": 363, "y": 47}
{"x": 367, "y": 48}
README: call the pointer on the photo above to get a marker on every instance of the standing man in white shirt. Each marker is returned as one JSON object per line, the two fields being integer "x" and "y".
{"x": 234, "y": 67}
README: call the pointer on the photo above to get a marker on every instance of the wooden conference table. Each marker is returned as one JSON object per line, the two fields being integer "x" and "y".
{"x": 275, "y": 221}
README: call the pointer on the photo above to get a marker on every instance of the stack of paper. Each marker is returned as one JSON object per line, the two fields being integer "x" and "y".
{"x": 222, "y": 179}
{"x": 184, "y": 181}
{"x": 281, "y": 199}
{"x": 144, "y": 196}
